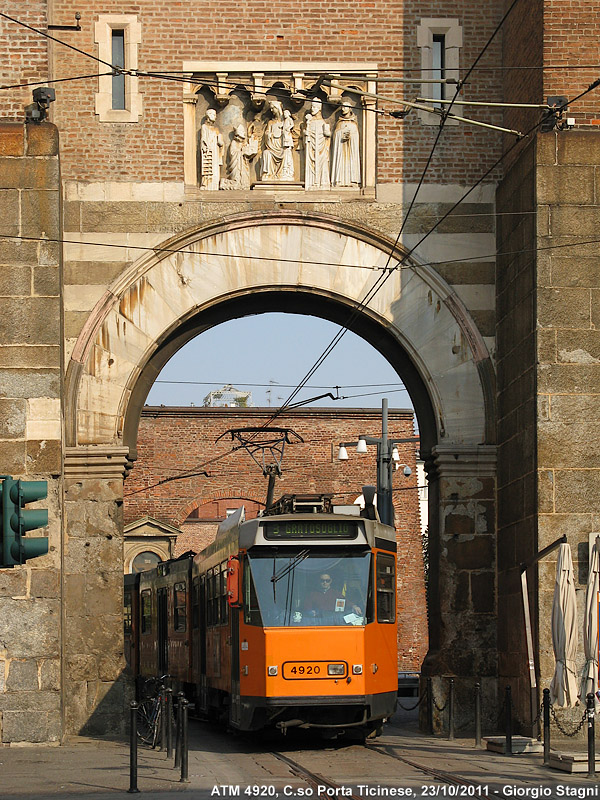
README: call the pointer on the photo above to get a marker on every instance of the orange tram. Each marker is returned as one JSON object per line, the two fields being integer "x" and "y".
{"x": 286, "y": 620}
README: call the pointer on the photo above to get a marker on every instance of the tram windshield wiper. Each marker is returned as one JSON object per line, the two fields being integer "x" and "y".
{"x": 287, "y": 568}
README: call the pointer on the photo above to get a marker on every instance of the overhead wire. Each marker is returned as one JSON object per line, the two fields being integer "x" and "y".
{"x": 276, "y": 385}
{"x": 459, "y": 260}
{"x": 59, "y": 41}
{"x": 55, "y": 80}
{"x": 177, "y": 75}
{"x": 385, "y": 276}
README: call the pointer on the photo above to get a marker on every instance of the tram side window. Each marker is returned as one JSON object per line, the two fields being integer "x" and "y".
{"x": 127, "y": 613}
{"x": 196, "y": 603}
{"x": 210, "y": 598}
{"x": 179, "y": 605}
{"x": 146, "y": 603}
{"x": 385, "y": 578}
{"x": 223, "y": 607}
{"x": 252, "y": 614}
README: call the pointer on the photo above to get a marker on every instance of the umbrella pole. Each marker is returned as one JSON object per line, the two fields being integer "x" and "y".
{"x": 530, "y": 656}
{"x": 529, "y": 637}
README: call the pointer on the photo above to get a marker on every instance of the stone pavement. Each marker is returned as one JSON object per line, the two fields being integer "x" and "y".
{"x": 99, "y": 769}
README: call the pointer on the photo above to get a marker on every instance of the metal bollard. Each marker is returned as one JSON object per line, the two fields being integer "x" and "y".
{"x": 546, "y": 723}
{"x": 429, "y": 691}
{"x": 184, "y": 742}
{"x": 163, "y": 718}
{"x": 133, "y": 787}
{"x": 508, "y": 714}
{"x": 477, "y": 714}
{"x": 178, "y": 719}
{"x": 169, "y": 723}
{"x": 451, "y": 709}
{"x": 591, "y": 741}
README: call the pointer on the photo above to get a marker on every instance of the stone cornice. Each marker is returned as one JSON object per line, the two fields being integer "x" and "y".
{"x": 465, "y": 460}
{"x": 96, "y": 461}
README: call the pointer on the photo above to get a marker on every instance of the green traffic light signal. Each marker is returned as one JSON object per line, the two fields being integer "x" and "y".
{"x": 17, "y": 520}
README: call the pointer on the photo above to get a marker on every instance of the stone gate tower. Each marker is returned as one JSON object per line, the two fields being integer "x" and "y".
{"x": 243, "y": 160}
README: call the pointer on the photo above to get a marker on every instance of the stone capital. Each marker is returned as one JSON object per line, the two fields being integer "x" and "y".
{"x": 96, "y": 461}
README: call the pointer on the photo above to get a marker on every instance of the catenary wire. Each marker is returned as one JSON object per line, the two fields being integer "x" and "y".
{"x": 76, "y": 49}
{"x": 116, "y": 69}
{"x": 590, "y": 88}
{"x": 59, "y": 41}
{"x": 460, "y": 260}
{"x": 370, "y": 294}
{"x": 174, "y": 76}
{"x": 55, "y": 80}
{"x": 276, "y": 385}
{"x": 391, "y": 69}
{"x": 385, "y": 276}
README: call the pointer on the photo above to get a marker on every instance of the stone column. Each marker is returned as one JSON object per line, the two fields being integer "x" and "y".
{"x": 94, "y": 691}
{"x": 462, "y": 570}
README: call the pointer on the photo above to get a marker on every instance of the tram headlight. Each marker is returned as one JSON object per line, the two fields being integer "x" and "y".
{"x": 336, "y": 669}
{"x": 357, "y": 669}
{"x": 271, "y": 670}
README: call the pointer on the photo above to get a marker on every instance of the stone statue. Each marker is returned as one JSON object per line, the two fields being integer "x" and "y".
{"x": 211, "y": 152}
{"x": 345, "y": 165}
{"x": 317, "y": 137}
{"x": 274, "y": 152}
{"x": 241, "y": 152}
{"x": 287, "y": 168}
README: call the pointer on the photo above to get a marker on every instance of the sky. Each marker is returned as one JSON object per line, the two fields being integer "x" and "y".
{"x": 269, "y": 354}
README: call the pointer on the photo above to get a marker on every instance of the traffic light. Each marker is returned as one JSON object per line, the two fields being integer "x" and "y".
{"x": 17, "y": 520}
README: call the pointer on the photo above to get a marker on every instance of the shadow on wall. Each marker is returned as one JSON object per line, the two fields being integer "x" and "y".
{"x": 110, "y": 718}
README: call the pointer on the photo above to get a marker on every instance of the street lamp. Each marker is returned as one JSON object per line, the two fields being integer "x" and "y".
{"x": 387, "y": 458}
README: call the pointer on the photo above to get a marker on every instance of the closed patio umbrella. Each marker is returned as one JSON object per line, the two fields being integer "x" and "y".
{"x": 563, "y": 689}
{"x": 589, "y": 682}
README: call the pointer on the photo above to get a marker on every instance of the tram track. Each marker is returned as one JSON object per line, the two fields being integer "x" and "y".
{"x": 314, "y": 779}
{"x": 317, "y": 780}
{"x": 442, "y": 775}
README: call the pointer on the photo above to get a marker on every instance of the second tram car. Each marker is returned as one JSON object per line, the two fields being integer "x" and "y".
{"x": 290, "y": 621}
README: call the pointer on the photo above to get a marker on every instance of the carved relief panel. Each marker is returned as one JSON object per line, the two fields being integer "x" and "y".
{"x": 256, "y": 128}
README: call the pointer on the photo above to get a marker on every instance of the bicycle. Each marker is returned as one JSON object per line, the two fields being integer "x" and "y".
{"x": 149, "y": 714}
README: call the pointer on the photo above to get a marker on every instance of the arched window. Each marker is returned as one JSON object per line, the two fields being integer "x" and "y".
{"x": 144, "y": 561}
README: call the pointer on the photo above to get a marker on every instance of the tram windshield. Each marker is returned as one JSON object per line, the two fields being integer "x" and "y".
{"x": 307, "y": 587}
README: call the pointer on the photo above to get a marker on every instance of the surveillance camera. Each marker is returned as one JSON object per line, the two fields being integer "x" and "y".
{"x": 407, "y": 472}
{"x": 33, "y": 113}
{"x": 44, "y": 95}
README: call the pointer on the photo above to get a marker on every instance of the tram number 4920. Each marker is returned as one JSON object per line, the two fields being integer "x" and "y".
{"x": 297, "y": 670}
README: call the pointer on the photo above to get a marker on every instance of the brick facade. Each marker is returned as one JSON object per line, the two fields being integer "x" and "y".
{"x": 25, "y": 55}
{"x": 381, "y": 31}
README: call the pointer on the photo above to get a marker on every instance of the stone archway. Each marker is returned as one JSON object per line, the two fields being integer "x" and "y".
{"x": 316, "y": 264}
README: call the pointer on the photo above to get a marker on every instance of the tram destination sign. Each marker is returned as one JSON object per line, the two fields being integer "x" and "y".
{"x": 311, "y": 529}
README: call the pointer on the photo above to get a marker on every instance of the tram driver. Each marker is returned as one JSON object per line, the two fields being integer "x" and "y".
{"x": 325, "y": 599}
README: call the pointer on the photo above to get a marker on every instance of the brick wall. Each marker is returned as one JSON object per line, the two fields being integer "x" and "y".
{"x": 24, "y": 54}
{"x": 172, "y": 441}
{"x": 376, "y": 30}
{"x": 550, "y": 49}
{"x": 571, "y": 55}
